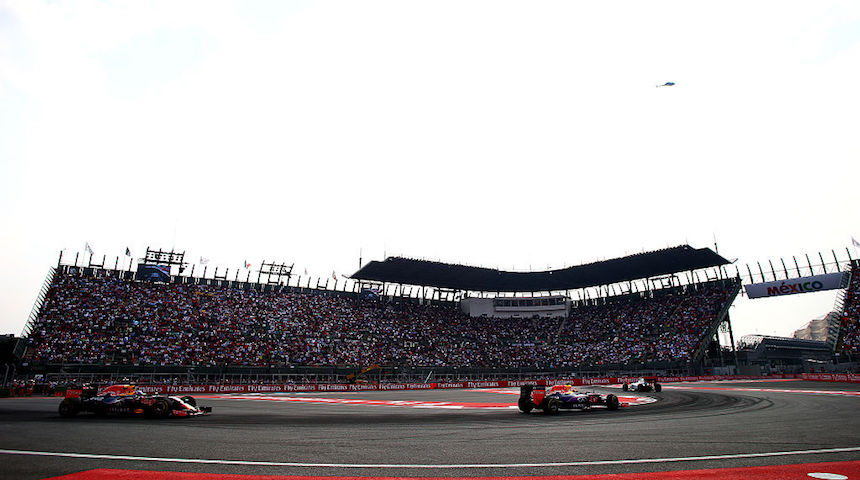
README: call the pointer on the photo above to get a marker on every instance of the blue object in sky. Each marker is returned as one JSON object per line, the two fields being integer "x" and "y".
{"x": 667, "y": 84}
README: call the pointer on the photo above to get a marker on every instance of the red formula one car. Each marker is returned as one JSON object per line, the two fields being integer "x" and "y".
{"x": 125, "y": 400}
{"x": 562, "y": 397}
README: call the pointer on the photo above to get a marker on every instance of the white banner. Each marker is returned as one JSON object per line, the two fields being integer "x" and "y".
{"x": 818, "y": 283}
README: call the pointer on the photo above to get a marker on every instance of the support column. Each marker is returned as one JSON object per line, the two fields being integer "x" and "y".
{"x": 732, "y": 339}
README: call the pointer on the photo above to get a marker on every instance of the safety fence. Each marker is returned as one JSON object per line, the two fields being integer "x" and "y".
{"x": 341, "y": 387}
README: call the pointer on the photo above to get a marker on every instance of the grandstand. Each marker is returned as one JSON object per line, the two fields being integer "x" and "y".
{"x": 96, "y": 319}
{"x": 847, "y": 318}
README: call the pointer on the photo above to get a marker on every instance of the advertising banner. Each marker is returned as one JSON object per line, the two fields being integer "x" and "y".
{"x": 832, "y": 377}
{"x": 817, "y": 283}
{"x": 153, "y": 273}
{"x": 344, "y": 387}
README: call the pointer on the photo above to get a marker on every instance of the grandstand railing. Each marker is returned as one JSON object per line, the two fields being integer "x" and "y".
{"x": 37, "y": 304}
{"x": 794, "y": 268}
{"x": 834, "y": 320}
{"x": 128, "y": 275}
{"x": 718, "y": 320}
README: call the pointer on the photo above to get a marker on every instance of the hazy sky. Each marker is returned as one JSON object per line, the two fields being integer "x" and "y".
{"x": 504, "y": 134}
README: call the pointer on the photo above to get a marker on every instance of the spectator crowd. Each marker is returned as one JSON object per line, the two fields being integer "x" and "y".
{"x": 850, "y": 321}
{"x": 95, "y": 320}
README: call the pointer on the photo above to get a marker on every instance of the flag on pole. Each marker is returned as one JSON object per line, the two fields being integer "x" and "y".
{"x": 247, "y": 265}
{"x": 87, "y": 248}
{"x": 333, "y": 275}
{"x": 127, "y": 252}
{"x": 204, "y": 260}
{"x": 855, "y": 242}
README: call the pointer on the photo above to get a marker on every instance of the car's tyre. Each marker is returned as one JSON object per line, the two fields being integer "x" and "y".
{"x": 189, "y": 400}
{"x": 160, "y": 408}
{"x": 625, "y": 387}
{"x": 640, "y": 388}
{"x": 658, "y": 387}
{"x": 612, "y": 402}
{"x": 525, "y": 405}
{"x": 69, "y": 407}
{"x": 551, "y": 406}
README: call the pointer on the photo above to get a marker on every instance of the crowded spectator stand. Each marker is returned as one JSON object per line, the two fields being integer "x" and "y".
{"x": 849, "y": 322}
{"x": 104, "y": 317}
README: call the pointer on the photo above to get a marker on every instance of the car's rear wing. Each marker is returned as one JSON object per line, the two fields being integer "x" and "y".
{"x": 74, "y": 393}
{"x": 535, "y": 393}
{"x": 84, "y": 392}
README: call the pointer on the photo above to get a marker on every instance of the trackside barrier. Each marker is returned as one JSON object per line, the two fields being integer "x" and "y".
{"x": 831, "y": 377}
{"x": 340, "y": 387}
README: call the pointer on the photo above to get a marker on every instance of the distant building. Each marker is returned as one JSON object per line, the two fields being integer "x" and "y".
{"x": 816, "y": 329}
{"x": 768, "y": 354}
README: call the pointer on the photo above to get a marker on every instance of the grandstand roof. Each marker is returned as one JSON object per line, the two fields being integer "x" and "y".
{"x": 786, "y": 342}
{"x": 461, "y": 277}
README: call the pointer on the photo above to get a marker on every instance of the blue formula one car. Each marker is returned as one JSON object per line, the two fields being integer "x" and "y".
{"x": 126, "y": 400}
{"x": 562, "y": 397}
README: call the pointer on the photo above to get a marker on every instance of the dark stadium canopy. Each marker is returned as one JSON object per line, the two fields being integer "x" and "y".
{"x": 461, "y": 277}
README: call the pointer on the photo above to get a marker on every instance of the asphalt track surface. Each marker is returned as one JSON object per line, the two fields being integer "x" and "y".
{"x": 730, "y": 424}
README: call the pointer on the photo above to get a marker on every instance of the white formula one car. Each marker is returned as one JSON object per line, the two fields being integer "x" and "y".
{"x": 644, "y": 384}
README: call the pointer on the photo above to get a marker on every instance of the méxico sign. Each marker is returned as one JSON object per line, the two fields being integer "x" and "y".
{"x": 817, "y": 283}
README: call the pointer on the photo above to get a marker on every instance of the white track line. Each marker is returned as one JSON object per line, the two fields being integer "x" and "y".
{"x": 850, "y": 393}
{"x": 392, "y": 465}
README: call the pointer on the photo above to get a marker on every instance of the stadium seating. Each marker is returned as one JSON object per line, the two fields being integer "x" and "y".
{"x": 98, "y": 320}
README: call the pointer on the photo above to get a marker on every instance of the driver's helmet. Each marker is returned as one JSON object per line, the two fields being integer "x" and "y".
{"x": 120, "y": 390}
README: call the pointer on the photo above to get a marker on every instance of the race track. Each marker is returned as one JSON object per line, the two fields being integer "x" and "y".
{"x": 445, "y": 433}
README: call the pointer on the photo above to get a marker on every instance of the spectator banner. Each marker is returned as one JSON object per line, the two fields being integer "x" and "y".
{"x": 817, "y": 283}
